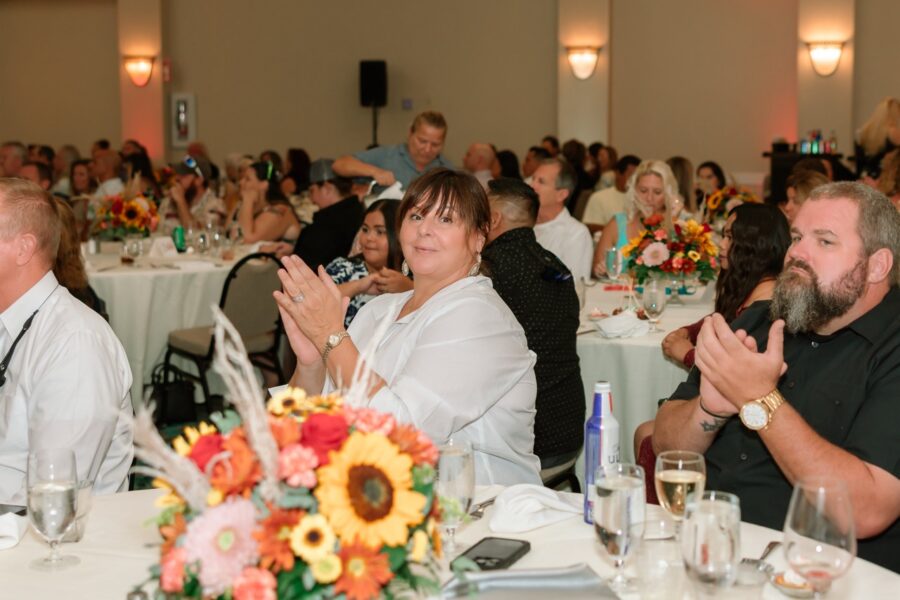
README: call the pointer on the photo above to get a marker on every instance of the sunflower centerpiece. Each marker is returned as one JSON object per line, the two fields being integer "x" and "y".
{"x": 309, "y": 497}
{"x": 130, "y": 213}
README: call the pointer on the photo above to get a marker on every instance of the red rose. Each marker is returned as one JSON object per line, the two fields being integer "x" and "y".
{"x": 688, "y": 267}
{"x": 323, "y": 433}
{"x": 206, "y": 447}
{"x": 652, "y": 220}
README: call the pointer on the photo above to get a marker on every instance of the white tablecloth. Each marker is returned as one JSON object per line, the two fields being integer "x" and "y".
{"x": 636, "y": 367}
{"x": 117, "y": 551}
{"x": 145, "y": 303}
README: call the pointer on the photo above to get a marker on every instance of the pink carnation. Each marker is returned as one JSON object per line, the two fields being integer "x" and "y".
{"x": 660, "y": 234}
{"x": 655, "y": 254}
{"x": 221, "y": 541}
{"x": 296, "y": 465}
{"x": 369, "y": 420}
{"x": 255, "y": 584}
{"x": 172, "y": 576}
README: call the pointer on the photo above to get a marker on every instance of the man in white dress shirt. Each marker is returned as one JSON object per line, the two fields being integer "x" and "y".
{"x": 557, "y": 230}
{"x": 65, "y": 378}
{"x": 105, "y": 169}
{"x": 478, "y": 161}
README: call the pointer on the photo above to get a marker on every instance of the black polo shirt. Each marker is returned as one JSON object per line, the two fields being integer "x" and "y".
{"x": 539, "y": 290}
{"x": 331, "y": 233}
{"x": 847, "y": 388}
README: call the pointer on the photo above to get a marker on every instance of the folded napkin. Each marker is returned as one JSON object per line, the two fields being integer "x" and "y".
{"x": 12, "y": 528}
{"x": 524, "y": 507}
{"x": 393, "y": 192}
{"x": 623, "y": 325}
{"x": 162, "y": 247}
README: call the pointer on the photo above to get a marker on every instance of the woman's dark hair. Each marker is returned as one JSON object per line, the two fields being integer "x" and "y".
{"x": 273, "y": 157}
{"x": 299, "y": 172}
{"x": 388, "y": 208}
{"x": 760, "y": 237}
{"x": 575, "y": 153}
{"x": 267, "y": 171}
{"x": 509, "y": 164}
{"x": 141, "y": 165}
{"x": 717, "y": 171}
{"x": 450, "y": 191}
{"x": 86, "y": 163}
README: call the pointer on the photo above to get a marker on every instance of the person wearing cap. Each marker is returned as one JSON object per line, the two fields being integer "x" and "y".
{"x": 189, "y": 201}
{"x": 334, "y": 225}
{"x": 401, "y": 162}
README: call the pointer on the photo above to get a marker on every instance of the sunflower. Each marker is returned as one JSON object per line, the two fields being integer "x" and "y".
{"x": 133, "y": 215}
{"x": 365, "y": 492}
{"x": 364, "y": 572}
{"x": 312, "y": 539}
{"x": 294, "y": 402}
{"x": 275, "y": 539}
{"x": 185, "y": 442}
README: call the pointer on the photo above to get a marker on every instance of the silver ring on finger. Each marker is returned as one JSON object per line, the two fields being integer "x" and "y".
{"x": 298, "y": 298}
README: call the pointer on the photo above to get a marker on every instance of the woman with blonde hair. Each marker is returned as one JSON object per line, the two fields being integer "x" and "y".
{"x": 652, "y": 189}
{"x": 889, "y": 182}
{"x": 878, "y": 136}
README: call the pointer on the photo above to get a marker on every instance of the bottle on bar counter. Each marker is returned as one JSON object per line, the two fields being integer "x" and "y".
{"x": 601, "y": 442}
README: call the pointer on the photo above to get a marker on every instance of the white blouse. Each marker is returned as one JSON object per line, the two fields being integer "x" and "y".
{"x": 458, "y": 366}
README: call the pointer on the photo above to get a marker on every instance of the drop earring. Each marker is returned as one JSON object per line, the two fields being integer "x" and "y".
{"x": 404, "y": 268}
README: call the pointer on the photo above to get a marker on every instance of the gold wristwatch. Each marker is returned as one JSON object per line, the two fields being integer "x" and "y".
{"x": 333, "y": 340}
{"x": 757, "y": 414}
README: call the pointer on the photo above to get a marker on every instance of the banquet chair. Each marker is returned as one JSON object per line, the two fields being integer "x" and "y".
{"x": 554, "y": 477}
{"x": 248, "y": 303}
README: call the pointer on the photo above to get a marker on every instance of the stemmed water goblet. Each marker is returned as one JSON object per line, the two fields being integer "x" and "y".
{"x": 52, "y": 490}
{"x": 618, "y": 514}
{"x": 654, "y": 301}
{"x": 455, "y": 487}
{"x": 711, "y": 541}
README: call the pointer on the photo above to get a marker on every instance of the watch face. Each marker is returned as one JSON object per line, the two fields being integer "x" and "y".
{"x": 333, "y": 339}
{"x": 754, "y": 416}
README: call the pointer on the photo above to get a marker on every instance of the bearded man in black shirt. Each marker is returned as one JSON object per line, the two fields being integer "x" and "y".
{"x": 540, "y": 291}
{"x": 812, "y": 389}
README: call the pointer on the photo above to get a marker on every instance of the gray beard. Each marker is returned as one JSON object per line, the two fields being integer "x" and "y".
{"x": 805, "y": 306}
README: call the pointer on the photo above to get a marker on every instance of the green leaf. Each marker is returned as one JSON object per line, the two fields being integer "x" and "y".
{"x": 226, "y": 420}
{"x": 260, "y": 504}
{"x": 309, "y": 581}
{"x": 298, "y": 497}
{"x": 396, "y": 556}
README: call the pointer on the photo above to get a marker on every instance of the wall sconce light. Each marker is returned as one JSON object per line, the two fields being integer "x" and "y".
{"x": 139, "y": 69}
{"x": 825, "y": 57}
{"x": 583, "y": 60}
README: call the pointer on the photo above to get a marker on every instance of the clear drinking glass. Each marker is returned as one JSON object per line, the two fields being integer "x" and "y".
{"x": 455, "y": 487}
{"x": 614, "y": 263}
{"x": 619, "y": 516}
{"x": 678, "y": 474}
{"x": 52, "y": 490}
{"x": 654, "y": 301}
{"x": 83, "y": 502}
{"x": 711, "y": 541}
{"x": 659, "y": 565}
{"x": 819, "y": 533}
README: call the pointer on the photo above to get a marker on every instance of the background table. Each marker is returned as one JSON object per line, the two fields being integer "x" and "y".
{"x": 148, "y": 300}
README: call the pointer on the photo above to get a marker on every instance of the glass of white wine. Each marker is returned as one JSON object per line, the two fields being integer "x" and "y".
{"x": 455, "y": 487}
{"x": 52, "y": 490}
{"x": 618, "y": 514}
{"x": 819, "y": 532}
{"x": 654, "y": 301}
{"x": 678, "y": 474}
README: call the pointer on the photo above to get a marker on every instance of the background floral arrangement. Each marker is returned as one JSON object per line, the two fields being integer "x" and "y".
{"x": 687, "y": 250}
{"x": 719, "y": 203}
{"x": 118, "y": 216}
{"x": 302, "y": 497}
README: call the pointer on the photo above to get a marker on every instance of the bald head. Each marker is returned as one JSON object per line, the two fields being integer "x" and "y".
{"x": 12, "y": 156}
{"x": 106, "y": 164}
{"x": 479, "y": 157}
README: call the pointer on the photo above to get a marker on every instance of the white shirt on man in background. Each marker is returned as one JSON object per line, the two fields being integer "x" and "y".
{"x": 67, "y": 386}
{"x": 571, "y": 242}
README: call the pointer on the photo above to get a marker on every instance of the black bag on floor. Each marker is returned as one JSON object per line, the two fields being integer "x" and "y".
{"x": 172, "y": 396}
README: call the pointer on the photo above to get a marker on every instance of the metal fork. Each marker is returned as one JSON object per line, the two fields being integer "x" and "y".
{"x": 478, "y": 509}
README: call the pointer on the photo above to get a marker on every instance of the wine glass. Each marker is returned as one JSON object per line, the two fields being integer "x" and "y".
{"x": 711, "y": 540}
{"x": 819, "y": 533}
{"x": 614, "y": 263}
{"x": 52, "y": 488}
{"x": 654, "y": 301}
{"x": 455, "y": 487}
{"x": 678, "y": 474}
{"x": 618, "y": 513}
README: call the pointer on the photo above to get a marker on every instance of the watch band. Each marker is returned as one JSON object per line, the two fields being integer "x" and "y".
{"x": 772, "y": 400}
{"x": 333, "y": 340}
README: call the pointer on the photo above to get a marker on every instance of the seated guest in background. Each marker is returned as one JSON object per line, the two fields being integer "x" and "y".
{"x": 550, "y": 143}
{"x": 710, "y": 179}
{"x": 105, "y": 171}
{"x": 889, "y": 181}
{"x": 41, "y": 153}
{"x": 197, "y": 150}
{"x": 879, "y": 135}
{"x": 540, "y": 291}
{"x": 37, "y": 172}
{"x": 131, "y": 147}
{"x": 99, "y": 145}
{"x": 296, "y": 176}
{"x": 809, "y": 387}
{"x": 190, "y": 202}
{"x": 453, "y": 361}
{"x": 575, "y": 152}
{"x": 69, "y": 265}
{"x": 608, "y": 158}
{"x": 556, "y": 229}
{"x": 478, "y": 161}
{"x": 652, "y": 190}
{"x": 62, "y": 164}
{"x": 138, "y": 165}
{"x": 402, "y": 162}
{"x": 12, "y": 156}
{"x": 593, "y": 162}
{"x": 68, "y": 380}
{"x": 334, "y": 225}
{"x": 265, "y": 214}
{"x": 230, "y": 187}
{"x": 82, "y": 188}
{"x": 506, "y": 165}
{"x": 533, "y": 159}
{"x": 379, "y": 259}
{"x": 603, "y": 205}
{"x": 799, "y": 186}
{"x": 273, "y": 157}
{"x": 683, "y": 170}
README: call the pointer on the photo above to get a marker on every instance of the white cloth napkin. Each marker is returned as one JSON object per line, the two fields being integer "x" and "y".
{"x": 525, "y": 506}
{"x": 162, "y": 247}
{"x": 393, "y": 192}
{"x": 12, "y": 528}
{"x": 623, "y": 325}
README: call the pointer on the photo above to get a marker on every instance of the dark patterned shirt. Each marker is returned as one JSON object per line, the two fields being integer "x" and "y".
{"x": 343, "y": 270}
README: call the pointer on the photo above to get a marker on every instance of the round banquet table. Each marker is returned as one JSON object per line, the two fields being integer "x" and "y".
{"x": 147, "y": 300}
{"x": 638, "y": 371}
{"x": 118, "y": 549}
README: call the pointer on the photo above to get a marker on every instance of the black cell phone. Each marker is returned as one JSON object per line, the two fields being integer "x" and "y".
{"x": 494, "y": 553}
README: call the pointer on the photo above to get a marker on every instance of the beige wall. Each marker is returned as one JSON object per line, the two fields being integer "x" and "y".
{"x": 877, "y": 69}
{"x": 59, "y": 71}
{"x": 285, "y": 73}
{"x": 707, "y": 79}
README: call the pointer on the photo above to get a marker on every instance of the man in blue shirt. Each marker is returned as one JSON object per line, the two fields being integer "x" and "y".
{"x": 402, "y": 162}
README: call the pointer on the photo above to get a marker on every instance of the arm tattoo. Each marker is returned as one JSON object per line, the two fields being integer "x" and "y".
{"x": 714, "y": 425}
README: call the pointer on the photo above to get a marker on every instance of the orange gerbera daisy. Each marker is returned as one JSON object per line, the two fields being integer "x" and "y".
{"x": 240, "y": 471}
{"x": 364, "y": 572}
{"x": 171, "y": 532}
{"x": 275, "y": 539}
{"x": 286, "y": 431}
{"x": 415, "y": 443}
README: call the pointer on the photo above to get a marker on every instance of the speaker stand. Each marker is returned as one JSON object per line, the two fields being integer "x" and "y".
{"x": 374, "y": 127}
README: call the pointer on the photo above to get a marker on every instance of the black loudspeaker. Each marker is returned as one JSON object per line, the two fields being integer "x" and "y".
{"x": 373, "y": 83}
